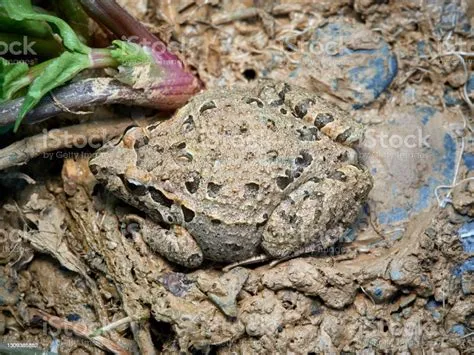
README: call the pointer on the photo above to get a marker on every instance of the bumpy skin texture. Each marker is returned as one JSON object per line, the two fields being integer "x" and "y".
{"x": 244, "y": 170}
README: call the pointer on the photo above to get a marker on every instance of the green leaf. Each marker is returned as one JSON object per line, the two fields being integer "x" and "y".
{"x": 25, "y": 27}
{"x": 130, "y": 54}
{"x": 13, "y": 77}
{"x": 21, "y": 10}
{"x": 60, "y": 70}
{"x": 73, "y": 13}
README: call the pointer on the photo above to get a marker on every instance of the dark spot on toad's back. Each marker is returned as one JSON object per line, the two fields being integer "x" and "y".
{"x": 135, "y": 187}
{"x": 213, "y": 189}
{"x": 159, "y": 197}
{"x": 188, "y": 124}
{"x": 341, "y": 138}
{"x": 251, "y": 190}
{"x": 283, "y": 181}
{"x": 193, "y": 185}
{"x": 188, "y": 214}
{"x": 251, "y": 100}
{"x": 207, "y": 106}
{"x": 308, "y": 134}
{"x": 322, "y": 119}
{"x": 301, "y": 109}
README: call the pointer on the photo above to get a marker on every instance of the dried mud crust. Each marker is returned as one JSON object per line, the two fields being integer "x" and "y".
{"x": 404, "y": 296}
{"x": 396, "y": 298}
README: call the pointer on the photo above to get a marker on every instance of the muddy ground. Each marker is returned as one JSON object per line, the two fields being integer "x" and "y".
{"x": 401, "y": 283}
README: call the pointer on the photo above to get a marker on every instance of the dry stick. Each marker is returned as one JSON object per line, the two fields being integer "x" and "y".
{"x": 95, "y": 132}
{"x": 88, "y": 92}
{"x": 80, "y": 330}
{"x": 118, "y": 323}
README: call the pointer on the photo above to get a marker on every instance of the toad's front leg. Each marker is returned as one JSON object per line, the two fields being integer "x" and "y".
{"x": 174, "y": 243}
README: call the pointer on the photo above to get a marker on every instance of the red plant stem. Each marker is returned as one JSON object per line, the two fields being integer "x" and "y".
{"x": 124, "y": 25}
{"x": 178, "y": 84}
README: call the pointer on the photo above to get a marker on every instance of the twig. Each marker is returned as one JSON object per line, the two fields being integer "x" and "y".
{"x": 88, "y": 92}
{"x": 367, "y": 294}
{"x": 80, "y": 330}
{"x": 96, "y": 132}
{"x": 118, "y": 323}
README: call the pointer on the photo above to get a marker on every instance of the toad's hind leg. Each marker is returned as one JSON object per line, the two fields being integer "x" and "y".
{"x": 317, "y": 213}
{"x": 175, "y": 243}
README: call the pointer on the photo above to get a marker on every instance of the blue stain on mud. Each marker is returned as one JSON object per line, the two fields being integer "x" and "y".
{"x": 442, "y": 173}
{"x": 458, "y": 329}
{"x": 396, "y": 214}
{"x": 452, "y": 97}
{"x": 425, "y": 112}
{"x": 376, "y": 76}
{"x": 468, "y": 159}
{"x": 466, "y": 235}
{"x": 466, "y": 266}
{"x": 433, "y": 306}
{"x": 396, "y": 275}
{"x": 369, "y": 80}
{"x": 449, "y": 159}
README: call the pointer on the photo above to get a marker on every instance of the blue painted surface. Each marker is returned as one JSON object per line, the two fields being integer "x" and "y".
{"x": 425, "y": 195}
{"x": 470, "y": 83}
{"x": 451, "y": 98}
{"x": 54, "y": 347}
{"x": 385, "y": 68}
{"x": 466, "y": 235}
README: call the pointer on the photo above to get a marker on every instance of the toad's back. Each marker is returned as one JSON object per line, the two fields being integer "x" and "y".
{"x": 220, "y": 155}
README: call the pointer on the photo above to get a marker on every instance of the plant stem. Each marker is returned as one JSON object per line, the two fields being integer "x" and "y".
{"x": 177, "y": 84}
{"x": 101, "y": 58}
{"x": 126, "y": 27}
{"x": 119, "y": 21}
